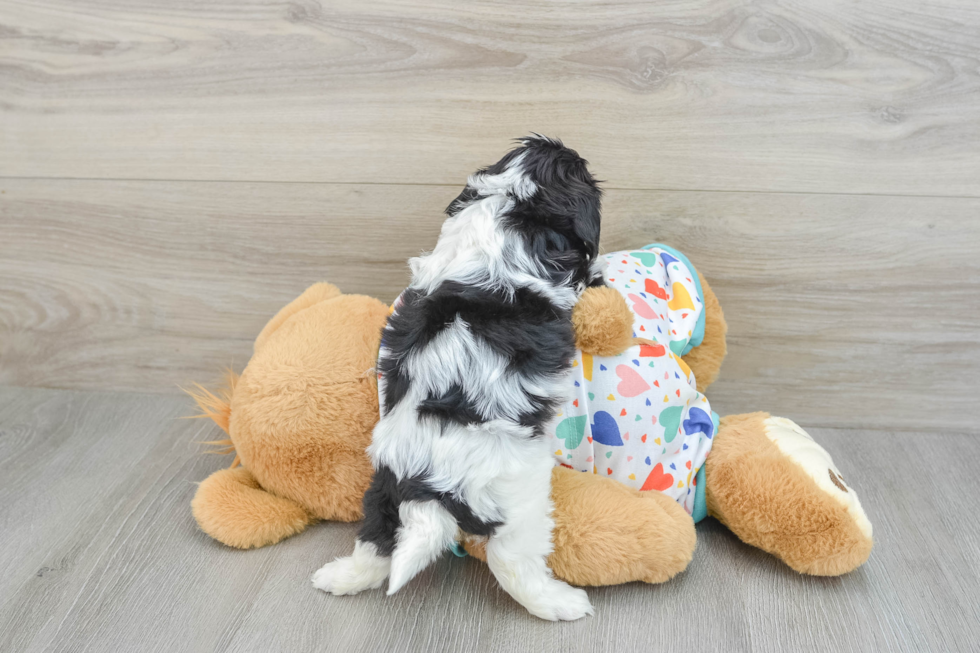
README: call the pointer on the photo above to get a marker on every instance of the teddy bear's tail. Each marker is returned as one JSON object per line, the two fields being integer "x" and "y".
{"x": 217, "y": 407}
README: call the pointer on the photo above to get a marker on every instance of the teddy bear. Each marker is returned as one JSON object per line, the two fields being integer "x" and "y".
{"x": 299, "y": 418}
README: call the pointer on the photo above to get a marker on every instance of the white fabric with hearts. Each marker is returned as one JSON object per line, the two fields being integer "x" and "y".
{"x": 638, "y": 417}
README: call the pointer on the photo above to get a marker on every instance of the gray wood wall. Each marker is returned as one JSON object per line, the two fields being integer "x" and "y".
{"x": 172, "y": 173}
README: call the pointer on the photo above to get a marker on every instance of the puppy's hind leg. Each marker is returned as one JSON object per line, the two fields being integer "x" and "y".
{"x": 427, "y": 530}
{"x": 518, "y": 551}
{"x": 363, "y": 570}
{"x": 370, "y": 563}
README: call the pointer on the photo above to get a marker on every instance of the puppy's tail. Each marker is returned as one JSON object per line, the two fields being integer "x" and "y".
{"x": 427, "y": 530}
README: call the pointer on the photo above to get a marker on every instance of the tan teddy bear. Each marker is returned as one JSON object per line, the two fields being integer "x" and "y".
{"x": 300, "y": 417}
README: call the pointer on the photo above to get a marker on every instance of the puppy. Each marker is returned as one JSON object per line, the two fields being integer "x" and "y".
{"x": 474, "y": 363}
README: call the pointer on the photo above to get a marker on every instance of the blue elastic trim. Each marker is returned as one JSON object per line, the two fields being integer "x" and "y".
{"x": 700, "y": 497}
{"x": 697, "y": 335}
{"x": 700, "y": 500}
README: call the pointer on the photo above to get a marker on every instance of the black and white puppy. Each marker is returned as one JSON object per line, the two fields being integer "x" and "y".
{"x": 473, "y": 366}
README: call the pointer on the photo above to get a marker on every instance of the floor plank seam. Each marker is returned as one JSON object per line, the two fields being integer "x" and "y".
{"x": 450, "y": 185}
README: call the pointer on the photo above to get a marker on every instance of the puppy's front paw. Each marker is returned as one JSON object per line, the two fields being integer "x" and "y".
{"x": 560, "y": 602}
{"x": 345, "y": 576}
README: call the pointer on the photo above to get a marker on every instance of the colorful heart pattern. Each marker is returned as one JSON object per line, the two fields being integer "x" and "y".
{"x": 654, "y": 289}
{"x": 658, "y": 480}
{"x": 631, "y": 383}
{"x": 605, "y": 429}
{"x": 572, "y": 430}
{"x": 641, "y": 308}
{"x": 640, "y": 413}
{"x": 670, "y": 420}
{"x": 699, "y": 421}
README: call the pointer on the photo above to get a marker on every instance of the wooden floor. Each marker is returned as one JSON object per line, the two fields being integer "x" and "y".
{"x": 99, "y": 552}
{"x": 174, "y": 171}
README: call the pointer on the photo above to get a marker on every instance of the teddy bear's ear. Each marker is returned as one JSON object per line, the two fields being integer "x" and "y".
{"x": 315, "y": 294}
{"x": 603, "y": 322}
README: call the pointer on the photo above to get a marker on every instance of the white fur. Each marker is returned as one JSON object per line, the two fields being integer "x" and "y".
{"x": 497, "y": 468}
{"x": 511, "y": 181}
{"x": 456, "y": 354}
{"x": 362, "y": 570}
{"x": 474, "y": 250}
{"x": 518, "y": 551}
{"x": 427, "y": 530}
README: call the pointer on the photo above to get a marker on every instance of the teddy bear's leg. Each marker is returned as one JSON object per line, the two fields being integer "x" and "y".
{"x": 607, "y": 533}
{"x": 315, "y": 294}
{"x": 232, "y": 507}
{"x": 778, "y": 490}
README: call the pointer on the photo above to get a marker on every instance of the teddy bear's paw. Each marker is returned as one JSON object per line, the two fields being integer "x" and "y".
{"x": 353, "y": 574}
{"x": 559, "y": 601}
{"x": 813, "y": 459}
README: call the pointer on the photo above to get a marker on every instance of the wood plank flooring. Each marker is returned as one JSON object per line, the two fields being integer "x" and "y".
{"x": 844, "y": 310}
{"x": 99, "y": 552}
{"x": 795, "y": 95}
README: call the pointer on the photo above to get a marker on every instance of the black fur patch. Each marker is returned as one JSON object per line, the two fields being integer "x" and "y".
{"x": 386, "y": 494}
{"x": 381, "y": 519}
{"x": 452, "y": 407}
{"x": 559, "y": 226}
{"x": 533, "y": 335}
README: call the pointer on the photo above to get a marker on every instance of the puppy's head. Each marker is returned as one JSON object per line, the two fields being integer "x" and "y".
{"x": 556, "y": 203}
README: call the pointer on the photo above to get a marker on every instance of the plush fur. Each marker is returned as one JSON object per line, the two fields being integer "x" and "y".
{"x": 751, "y": 485}
{"x": 603, "y": 322}
{"x": 232, "y": 507}
{"x": 318, "y": 292}
{"x": 473, "y": 365}
{"x": 705, "y": 360}
{"x": 604, "y": 327}
{"x": 299, "y": 418}
{"x": 602, "y": 532}
{"x": 770, "y": 502}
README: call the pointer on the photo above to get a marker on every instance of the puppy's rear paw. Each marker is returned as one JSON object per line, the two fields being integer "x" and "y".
{"x": 560, "y": 602}
{"x": 345, "y": 576}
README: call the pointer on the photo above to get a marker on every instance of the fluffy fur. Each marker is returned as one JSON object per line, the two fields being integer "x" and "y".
{"x": 705, "y": 359}
{"x": 232, "y": 507}
{"x": 604, "y": 327}
{"x": 637, "y": 536}
{"x": 792, "y": 518}
{"x": 473, "y": 365}
{"x": 603, "y": 322}
{"x": 299, "y": 419}
{"x": 603, "y": 532}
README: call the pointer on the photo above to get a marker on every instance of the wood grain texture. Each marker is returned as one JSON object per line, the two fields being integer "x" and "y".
{"x": 869, "y": 97}
{"x": 99, "y": 552}
{"x": 844, "y": 311}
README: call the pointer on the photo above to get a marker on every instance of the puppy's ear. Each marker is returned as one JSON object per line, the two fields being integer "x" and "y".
{"x": 571, "y": 189}
{"x": 587, "y": 206}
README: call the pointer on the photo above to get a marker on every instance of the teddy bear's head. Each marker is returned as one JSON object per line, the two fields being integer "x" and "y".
{"x": 303, "y": 409}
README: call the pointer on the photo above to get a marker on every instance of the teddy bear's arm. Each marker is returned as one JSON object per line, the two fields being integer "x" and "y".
{"x": 603, "y": 322}
{"x": 604, "y": 327}
{"x": 705, "y": 359}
